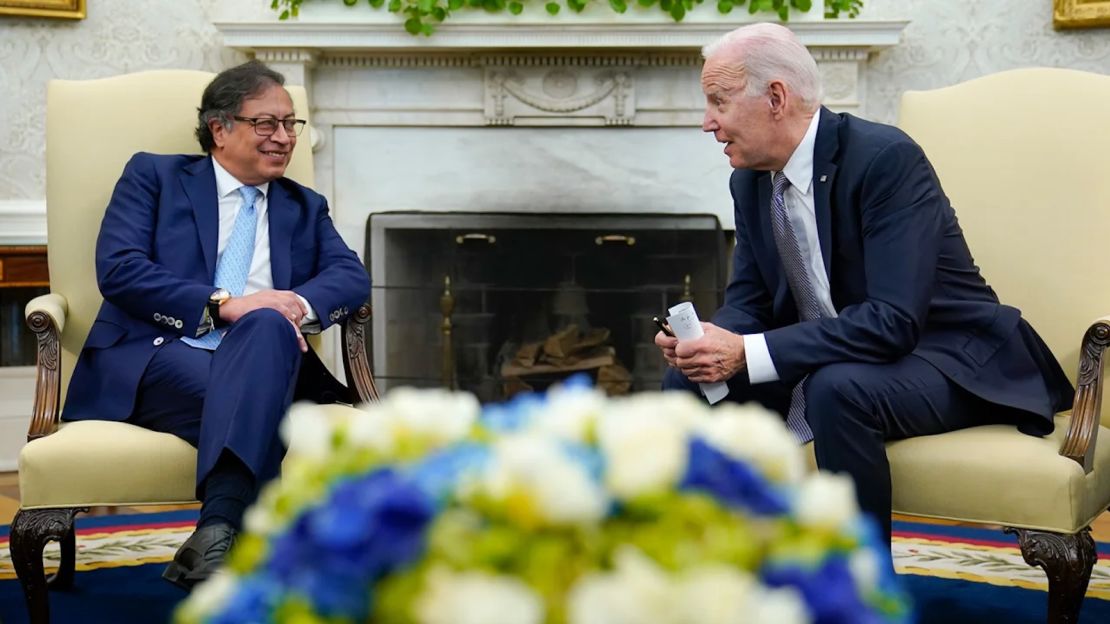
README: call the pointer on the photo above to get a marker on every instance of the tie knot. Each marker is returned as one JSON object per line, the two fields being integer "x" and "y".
{"x": 249, "y": 194}
{"x": 780, "y": 183}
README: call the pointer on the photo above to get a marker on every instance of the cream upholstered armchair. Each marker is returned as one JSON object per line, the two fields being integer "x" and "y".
{"x": 1023, "y": 156}
{"x": 93, "y": 128}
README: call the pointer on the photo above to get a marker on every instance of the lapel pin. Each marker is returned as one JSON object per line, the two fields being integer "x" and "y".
{"x": 824, "y": 178}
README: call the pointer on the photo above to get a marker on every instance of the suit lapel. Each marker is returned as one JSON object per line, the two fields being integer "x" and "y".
{"x": 824, "y": 172}
{"x": 282, "y": 214}
{"x": 199, "y": 181}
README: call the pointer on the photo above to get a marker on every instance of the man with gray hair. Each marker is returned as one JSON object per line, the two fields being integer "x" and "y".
{"x": 854, "y": 307}
{"x": 212, "y": 266}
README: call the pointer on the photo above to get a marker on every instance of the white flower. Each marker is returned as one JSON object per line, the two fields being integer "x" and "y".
{"x": 308, "y": 431}
{"x": 637, "y": 591}
{"x": 714, "y": 594}
{"x": 782, "y": 605}
{"x": 645, "y": 444}
{"x": 370, "y": 429}
{"x": 535, "y": 469}
{"x": 864, "y": 565}
{"x": 437, "y": 416}
{"x": 826, "y": 501}
{"x": 570, "y": 413}
{"x": 756, "y": 435}
{"x": 209, "y": 596}
{"x": 476, "y": 598}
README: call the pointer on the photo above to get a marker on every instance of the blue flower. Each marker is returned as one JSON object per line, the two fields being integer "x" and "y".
{"x": 254, "y": 600}
{"x": 589, "y": 457}
{"x": 829, "y": 591}
{"x": 733, "y": 482}
{"x": 515, "y": 415}
{"x": 368, "y": 527}
{"x": 439, "y": 473}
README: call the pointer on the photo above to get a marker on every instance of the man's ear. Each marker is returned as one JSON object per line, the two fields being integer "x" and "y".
{"x": 219, "y": 132}
{"x": 777, "y": 96}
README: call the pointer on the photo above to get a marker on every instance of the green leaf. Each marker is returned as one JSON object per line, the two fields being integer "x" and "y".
{"x": 666, "y": 5}
{"x": 620, "y": 6}
{"x": 724, "y": 7}
{"x": 394, "y": 6}
{"x": 350, "y": 2}
{"x": 377, "y": 4}
{"x": 576, "y": 5}
{"x": 296, "y": 10}
{"x": 284, "y": 15}
{"x": 678, "y": 11}
{"x": 515, "y": 7}
{"x": 784, "y": 13}
{"x": 803, "y": 5}
{"x": 439, "y": 14}
{"x": 273, "y": 5}
{"x": 414, "y": 26}
{"x": 425, "y": 6}
{"x": 646, "y": 3}
{"x": 455, "y": 5}
{"x": 552, "y": 7}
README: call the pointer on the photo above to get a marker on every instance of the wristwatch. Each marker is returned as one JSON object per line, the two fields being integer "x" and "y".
{"x": 215, "y": 300}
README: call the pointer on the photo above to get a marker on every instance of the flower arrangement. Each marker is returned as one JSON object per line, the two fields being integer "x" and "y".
{"x": 426, "y": 508}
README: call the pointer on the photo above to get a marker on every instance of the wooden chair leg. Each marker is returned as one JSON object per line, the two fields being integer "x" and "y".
{"x": 1067, "y": 560}
{"x": 31, "y": 530}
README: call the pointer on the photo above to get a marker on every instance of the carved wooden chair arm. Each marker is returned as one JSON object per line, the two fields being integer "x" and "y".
{"x": 46, "y": 316}
{"x": 359, "y": 379}
{"x": 1079, "y": 442}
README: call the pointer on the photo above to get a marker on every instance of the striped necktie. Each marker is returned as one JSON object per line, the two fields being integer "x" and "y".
{"x": 801, "y": 286}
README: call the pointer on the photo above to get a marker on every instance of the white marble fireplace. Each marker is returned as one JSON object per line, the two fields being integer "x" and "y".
{"x": 523, "y": 114}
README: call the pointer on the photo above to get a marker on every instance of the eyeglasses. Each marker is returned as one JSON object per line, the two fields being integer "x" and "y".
{"x": 267, "y": 126}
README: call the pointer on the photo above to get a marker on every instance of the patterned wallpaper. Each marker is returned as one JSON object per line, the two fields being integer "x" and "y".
{"x": 946, "y": 42}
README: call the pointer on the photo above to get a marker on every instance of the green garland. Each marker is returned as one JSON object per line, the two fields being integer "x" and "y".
{"x": 423, "y": 15}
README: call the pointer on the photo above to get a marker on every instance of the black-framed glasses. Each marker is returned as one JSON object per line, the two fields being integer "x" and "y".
{"x": 266, "y": 126}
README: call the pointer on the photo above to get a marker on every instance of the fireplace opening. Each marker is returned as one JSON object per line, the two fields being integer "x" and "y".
{"x": 497, "y": 303}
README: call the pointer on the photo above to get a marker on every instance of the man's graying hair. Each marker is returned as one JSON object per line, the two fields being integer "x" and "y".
{"x": 223, "y": 97}
{"x": 770, "y": 52}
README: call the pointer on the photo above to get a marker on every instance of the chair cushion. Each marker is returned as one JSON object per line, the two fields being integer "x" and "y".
{"x": 99, "y": 462}
{"x": 998, "y": 475}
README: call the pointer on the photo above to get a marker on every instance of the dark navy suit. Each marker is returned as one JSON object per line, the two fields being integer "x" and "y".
{"x": 921, "y": 343}
{"x": 155, "y": 261}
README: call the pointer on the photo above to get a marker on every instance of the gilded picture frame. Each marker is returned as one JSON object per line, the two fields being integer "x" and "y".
{"x": 63, "y": 9}
{"x": 1080, "y": 13}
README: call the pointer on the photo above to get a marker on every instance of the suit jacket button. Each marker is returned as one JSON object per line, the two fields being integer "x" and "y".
{"x": 178, "y": 324}
{"x": 159, "y": 340}
{"x": 157, "y": 317}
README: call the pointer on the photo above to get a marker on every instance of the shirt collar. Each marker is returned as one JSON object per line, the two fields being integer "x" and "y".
{"x": 799, "y": 169}
{"x": 226, "y": 184}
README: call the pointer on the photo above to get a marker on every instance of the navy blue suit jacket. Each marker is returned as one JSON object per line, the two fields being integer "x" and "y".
{"x": 156, "y": 260}
{"x": 900, "y": 273}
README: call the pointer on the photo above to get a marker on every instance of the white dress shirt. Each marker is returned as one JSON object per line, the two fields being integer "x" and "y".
{"x": 800, "y": 209}
{"x": 260, "y": 276}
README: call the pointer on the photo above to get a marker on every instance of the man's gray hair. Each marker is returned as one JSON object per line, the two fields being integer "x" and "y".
{"x": 768, "y": 52}
{"x": 223, "y": 97}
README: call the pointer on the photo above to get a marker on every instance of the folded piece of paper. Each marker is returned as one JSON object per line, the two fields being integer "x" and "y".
{"x": 686, "y": 326}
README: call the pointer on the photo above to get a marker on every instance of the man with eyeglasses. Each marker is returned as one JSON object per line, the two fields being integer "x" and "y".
{"x": 212, "y": 268}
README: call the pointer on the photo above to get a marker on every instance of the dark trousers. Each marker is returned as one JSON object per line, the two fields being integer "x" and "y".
{"x": 230, "y": 399}
{"x": 853, "y": 409}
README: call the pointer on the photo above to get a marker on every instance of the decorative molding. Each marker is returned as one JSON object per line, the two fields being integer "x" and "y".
{"x": 344, "y": 36}
{"x": 22, "y": 221}
{"x": 544, "y": 95}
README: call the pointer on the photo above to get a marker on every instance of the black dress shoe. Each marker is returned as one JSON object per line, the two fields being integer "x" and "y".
{"x": 201, "y": 555}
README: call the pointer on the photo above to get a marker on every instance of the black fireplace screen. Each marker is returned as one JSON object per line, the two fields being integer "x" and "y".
{"x": 502, "y": 303}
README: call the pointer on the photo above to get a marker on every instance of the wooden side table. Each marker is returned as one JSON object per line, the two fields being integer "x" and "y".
{"x": 23, "y": 267}
{"x": 23, "y": 276}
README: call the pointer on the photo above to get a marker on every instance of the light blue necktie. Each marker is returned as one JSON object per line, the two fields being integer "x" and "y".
{"x": 801, "y": 286}
{"x": 234, "y": 264}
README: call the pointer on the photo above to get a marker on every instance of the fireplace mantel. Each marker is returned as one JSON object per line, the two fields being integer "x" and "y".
{"x": 330, "y": 37}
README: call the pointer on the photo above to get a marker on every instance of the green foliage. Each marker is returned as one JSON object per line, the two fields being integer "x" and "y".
{"x": 422, "y": 16}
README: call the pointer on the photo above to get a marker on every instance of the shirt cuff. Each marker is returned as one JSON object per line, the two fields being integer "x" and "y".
{"x": 310, "y": 316}
{"x": 761, "y": 369}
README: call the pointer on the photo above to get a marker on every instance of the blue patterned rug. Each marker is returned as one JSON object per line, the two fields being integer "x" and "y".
{"x": 955, "y": 574}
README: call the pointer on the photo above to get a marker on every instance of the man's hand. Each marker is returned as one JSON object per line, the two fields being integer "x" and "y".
{"x": 716, "y": 356}
{"x": 284, "y": 301}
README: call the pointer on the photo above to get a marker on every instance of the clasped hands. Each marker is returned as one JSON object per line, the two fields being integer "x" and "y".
{"x": 717, "y": 356}
{"x": 284, "y": 301}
